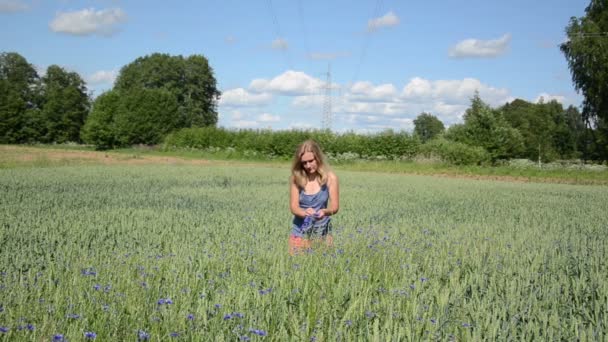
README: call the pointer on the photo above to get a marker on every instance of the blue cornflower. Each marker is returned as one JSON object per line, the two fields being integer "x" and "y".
{"x": 59, "y": 338}
{"x": 142, "y": 335}
{"x": 423, "y": 279}
{"x": 96, "y": 287}
{"x": 238, "y": 315}
{"x": 217, "y": 306}
{"x": 174, "y": 334}
{"x": 30, "y": 327}
{"x": 90, "y": 335}
{"x": 190, "y": 317}
{"x": 258, "y": 332}
{"x": 164, "y": 301}
{"x": 466, "y": 325}
{"x": 4, "y": 329}
{"x": 89, "y": 272}
{"x": 227, "y": 317}
{"x": 434, "y": 321}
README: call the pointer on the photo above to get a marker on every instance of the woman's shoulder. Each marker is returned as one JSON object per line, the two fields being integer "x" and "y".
{"x": 331, "y": 177}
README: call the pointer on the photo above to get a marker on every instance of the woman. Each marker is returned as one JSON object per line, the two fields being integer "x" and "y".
{"x": 312, "y": 187}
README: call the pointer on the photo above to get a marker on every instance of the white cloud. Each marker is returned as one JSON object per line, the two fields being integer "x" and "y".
{"x": 547, "y": 97}
{"x": 10, "y": 6}
{"x": 481, "y": 48}
{"x": 288, "y": 83}
{"x": 266, "y": 117}
{"x": 280, "y": 44}
{"x": 308, "y": 101}
{"x": 240, "y": 97}
{"x": 88, "y": 22}
{"x": 420, "y": 90}
{"x": 366, "y": 91}
{"x": 102, "y": 76}
{"x": 387, "y": 20}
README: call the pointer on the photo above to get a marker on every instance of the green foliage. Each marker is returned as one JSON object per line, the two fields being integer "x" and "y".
{"x": 486, "y": 128}
{"x": 66, "y": 105}
{"x": 586, "y": 51}
{"x": 282, "y": 144}
{"x": 190, "y": 80}
{"x": 455, "y": 153}
{"x": 145, "y": 116}
{"x": 427, "y": 126}
{"x": 99, "y": 129}
{"x": 20, "y": 119}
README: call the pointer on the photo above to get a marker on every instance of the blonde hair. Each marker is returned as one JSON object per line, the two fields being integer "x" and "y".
{"x": 297, "y": 170}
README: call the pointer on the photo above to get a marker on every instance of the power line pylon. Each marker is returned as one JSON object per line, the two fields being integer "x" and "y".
{"x": 326, "y": 124}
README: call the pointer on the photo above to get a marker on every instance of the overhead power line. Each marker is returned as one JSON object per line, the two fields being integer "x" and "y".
{"x": 278, "y": 34}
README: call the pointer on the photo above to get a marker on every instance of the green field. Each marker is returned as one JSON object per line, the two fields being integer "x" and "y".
{"x": 196, "y": 253}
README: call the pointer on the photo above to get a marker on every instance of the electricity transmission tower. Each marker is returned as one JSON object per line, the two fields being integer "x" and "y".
{"x": 326, "y": 124}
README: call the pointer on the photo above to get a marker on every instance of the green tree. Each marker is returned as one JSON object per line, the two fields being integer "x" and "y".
{"x": 66, "y": 105}
{"x": 20, "y": 119}
{"x": 586, "y": 51}
{"x": 99, "y": 128}
{"x": 145, "y": 116}
{"x": 427, "y": 126}
{"x": 190, "y": 80}
{"x": 488, "y": 129}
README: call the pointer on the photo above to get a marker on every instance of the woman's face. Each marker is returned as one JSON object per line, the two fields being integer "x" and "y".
{"x": 309, "y": 162}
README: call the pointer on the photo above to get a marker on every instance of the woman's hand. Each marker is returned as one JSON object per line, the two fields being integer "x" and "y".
{"x": 320, "y": 214}
{"x": 309, "y": 212}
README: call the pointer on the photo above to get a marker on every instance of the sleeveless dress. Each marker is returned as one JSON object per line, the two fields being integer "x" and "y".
{"x": 312, "y": 227}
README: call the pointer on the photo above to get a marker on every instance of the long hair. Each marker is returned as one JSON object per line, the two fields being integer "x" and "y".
{"x": 297, "y": 170}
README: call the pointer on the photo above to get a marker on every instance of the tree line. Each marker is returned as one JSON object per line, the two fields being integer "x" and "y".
{"x": 152, "y": 96}
{"x": 163, "y": 98}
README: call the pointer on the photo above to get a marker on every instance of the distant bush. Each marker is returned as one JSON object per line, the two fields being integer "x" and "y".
{"x": 282, "y": 144}
{"x": 454, "y": 152}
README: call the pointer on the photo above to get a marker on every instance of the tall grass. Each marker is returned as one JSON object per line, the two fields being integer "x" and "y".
{"x": 156, "y": 252}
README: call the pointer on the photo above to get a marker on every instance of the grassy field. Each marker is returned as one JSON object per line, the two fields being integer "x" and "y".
{"x": 162, "y": 249}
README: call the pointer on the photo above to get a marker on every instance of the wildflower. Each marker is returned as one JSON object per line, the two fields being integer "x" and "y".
{"x": 217, "y": 306}
{"x": 174, "y": 334}
{"x": 4, "y": 329}
{"x": 244, "y": 338}
{"x": 142, "y": 335}
{"x": 88, "y": 272}
{"x": 164, "y": 301}
{"x": 96, "y": 287}
{"x": 466, "y": 325}
{"x": 423, "y": 279}
{"x": 227, "y": 317}
{"x": 59, "y": 338}
{"x": 90, "y": 335}
{"x": 238, "y": 315}
{"x": 30, "y": 327}
{"x": 434, "y": 321}
{"x": 258, "y": 332}
{"x": 190, "y": 317}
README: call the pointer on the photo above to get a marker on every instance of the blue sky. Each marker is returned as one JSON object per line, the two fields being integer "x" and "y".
{"x": 388, "y": 61}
